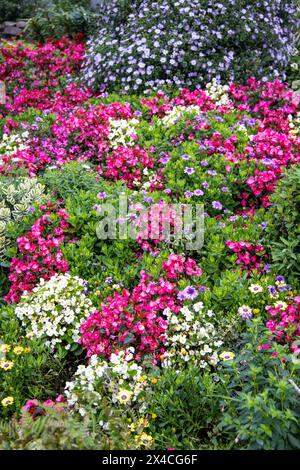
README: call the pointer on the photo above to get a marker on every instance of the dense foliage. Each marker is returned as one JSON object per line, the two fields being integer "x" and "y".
{"x": 145, "y": 340}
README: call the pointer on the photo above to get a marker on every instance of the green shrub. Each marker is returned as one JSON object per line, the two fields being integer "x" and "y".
{"x": 283, "y": 227}
{"x": 34, "y": 373}
{"x": 185, "y": 409}
{"x": 61, "y": 18}
{"x": 261, "y": 410}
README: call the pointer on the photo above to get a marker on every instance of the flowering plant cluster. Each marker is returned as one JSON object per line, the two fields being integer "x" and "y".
{"x": 280, "y": 309}
{"x": 137, "y": 319}
{"x": 10, "y": 356}
{"x": 120, "y": 380}
{"x": 55, "y": 309}
{"x": 150, "y": 45}
{"x": 145, "y": 334}
{"x": 39, "y": 256}
{"x": 191, "y": 337}
{"x": 249, "y": 256}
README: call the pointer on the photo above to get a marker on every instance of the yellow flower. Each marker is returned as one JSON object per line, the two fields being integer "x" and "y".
{"x": 6, "y": 365}
{"x": 153, "y": 416}
{"x": 144, "y": 439}
{"x": 7, "y": 401}
{"x": 18, "y": 350}
{"x": 227, "y": 355}
{"x": 256, "y": 310}
{"x": 154, "y": 380}
{"x": 124, "y": 396}
{"x": 143, "y": 422}
{"x": 27, "y": 350}
{"x": 4, "y": 348}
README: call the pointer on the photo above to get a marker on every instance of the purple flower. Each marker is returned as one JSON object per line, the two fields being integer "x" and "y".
{"x": 188, "y": 194}
{"x": 164, "y": 160}
{"x": 203, "y": 163}
{"x": 189, "y": 293}
{"x": 245, "y": 312}
{"x": 217, "y": 205}
{"x": 30, "y": 209}
{"x": 224, "y": 189}
{"x": 205, "y": 185}
{"x": 102, "y": 195}
{"x": 185, "y": 157}
{"x": 188, "y": 170}
{"x": 198, "y": 192}
{"x": 272, "y": 290}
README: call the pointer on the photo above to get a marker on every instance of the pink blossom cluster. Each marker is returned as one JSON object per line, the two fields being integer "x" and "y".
{"x": 127, "y": 165}
{"x": 284, "y": 321}
{"x": 136, "y": 318}
{"x": 36, "y": 409}
{"x": 39, "y": 253}
{"x": 33, "y": 73}
{"x": 273, "y": 146}
{"x": 249, "y": 256}
{"x": 151, "y": 226}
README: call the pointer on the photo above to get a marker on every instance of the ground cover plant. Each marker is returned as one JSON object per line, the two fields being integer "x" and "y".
{"x": 146, "y": 340}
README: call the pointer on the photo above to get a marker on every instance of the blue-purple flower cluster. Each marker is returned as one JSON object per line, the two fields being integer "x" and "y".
{"x": 144, "y": 44}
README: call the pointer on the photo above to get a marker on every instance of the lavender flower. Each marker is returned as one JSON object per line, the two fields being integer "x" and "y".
{"x": 189, "y": 293}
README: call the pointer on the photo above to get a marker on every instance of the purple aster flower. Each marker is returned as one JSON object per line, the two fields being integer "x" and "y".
{"x": 272, "y": 290}
{"x": 185, "y": 157}
{"x": 233, "y": 218}
{"x": 188, "y": 194}
{"x": 203, "y": 163}
{"x": 188, "y": 170}
{"x": 245, "y": 312}
{"x": 189, "y": 293}
{"x": 211, "y": 172}
{"x": 164, "y": 160}
{"x": 198, "y": 192}
{"x": 102, "y": 195}
{"x": 205, "y": 185}
{"x": 224, "y": 189}
{"x": 217, "y": 205}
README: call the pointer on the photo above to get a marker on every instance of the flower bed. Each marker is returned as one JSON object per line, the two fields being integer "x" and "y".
{"x": 111, "y": 324}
